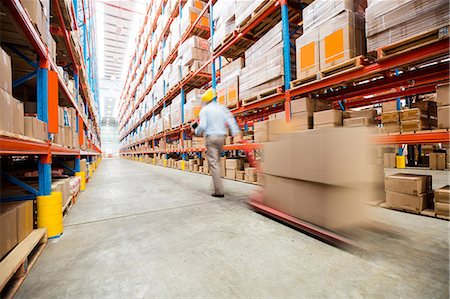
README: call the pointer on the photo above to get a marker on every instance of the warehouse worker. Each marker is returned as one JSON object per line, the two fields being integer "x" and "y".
{"x": 213, "y": 121}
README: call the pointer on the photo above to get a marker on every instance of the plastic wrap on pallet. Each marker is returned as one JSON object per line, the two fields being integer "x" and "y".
{"x": 341, "y": 39}
{"x": 165, "y": 114}
{"x": 175, "y": 111}
{"x": 232, "y": 69}
{"x": 224, "y": 20}
{"x": 407, "y": 19}
{"x": 244, "y": 9}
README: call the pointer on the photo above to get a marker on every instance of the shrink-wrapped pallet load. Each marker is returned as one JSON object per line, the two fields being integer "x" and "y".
{"x": 391, "y": 21}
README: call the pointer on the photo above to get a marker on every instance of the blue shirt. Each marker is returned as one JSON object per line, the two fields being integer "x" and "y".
{"x": 213, "y": 120}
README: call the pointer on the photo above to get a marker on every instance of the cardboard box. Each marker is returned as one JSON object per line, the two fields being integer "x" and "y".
{"x": 330, "y": 207}
{"x": 35, "y": 128}
{"x": 250, "y": 178}
{"x": 6, "y": 106}
{"x": 442, "y": 195}
{"x": 443, "y": 94}
{"x": 63, "y": 186}
{"x": 443, "y": 113}
{"x": 230, "y": 173}
{"x": 389, "y": 160}
{"x": 442, "y": 208}
{"x": 240, "y": 175}
{"x": 279, "y": 127}
{"x": 415, "y": 203}
{"x": 410, "y": 114}
{"x": 234, "y": 164}
{"x": 390, "y": 117}
{"x": 391, "y": 127}
{"x": 358, "y": 122}
{"x": 6, "y": 73}
{"x": 341, "y": 39}
{"x": 438, "y": 161}
{"x": 8, "y": 229}
{"x": 368, "y": 113}
{"x": 389, "y": 106}
{"x": 328, "y": 117}
{"x": 25, "y": 213}
{"x": 413, "y": 184}
{"x": 307, "y": 51}
{"x": 250, "y": 170}
{"x": 18, "y": 117}
{"x": 306, "y": 155}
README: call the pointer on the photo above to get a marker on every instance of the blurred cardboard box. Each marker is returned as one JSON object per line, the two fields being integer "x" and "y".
{"x": 442, "y": 195}
{"x": 331, "y": 207}
{"x": 234, "y": 164}
{"x": 443, "y": 113}
{"x": 443, "y": 94}
{"x": 389, "y": 160}
{"x": 250, "y": 178}
{"x": 231, "y": 173}
{"x": 389, "y": 106}
{"x": 328, "y": 117}
{"x": 438, "y": 161}
{"x": 240, "y": 175}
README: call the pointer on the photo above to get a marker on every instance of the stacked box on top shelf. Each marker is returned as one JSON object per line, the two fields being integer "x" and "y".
{"x": 11, "y": 110}
{"x": 224, "y": 20}
{"x": 190, "y": 12}
{"x": 403, "y": 19}
{"x": 175, "y": 111}
{"x": 333, "y": 33}
{"x": 263, "y": 65}
{"x": 443, "y": 103}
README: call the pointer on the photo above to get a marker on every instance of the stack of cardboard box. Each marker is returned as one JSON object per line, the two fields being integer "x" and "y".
{"x": 443, "y": 103}
{"x": 333, "y": 32}
{"x": 408, "y": 192}
{"x": 224, "y": 20}
{"x": 390, "y": 121}
{"x": 193, "y": 104}
{"x": 388, "y": 24}
{"x": 11, "y": 110}
{"x": 438, "y": 160}
{"x": 263, "y": 65}
{"x": 327, "y": 119}
{"x": 16, "y": 223}
{"x": 62, "y": 185}
{"x": 250, "y": 174}
{"x": 442, "y": 201}
{"x": 361, "y": 118}
{"x": 324, "y": 187}
{"x": 67, "y": 122}
{"x": 228, "y": 88}
{"x": 232, "y": 166}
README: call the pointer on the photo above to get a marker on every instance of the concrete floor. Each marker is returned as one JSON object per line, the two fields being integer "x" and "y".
{"x": 142, "y": 231}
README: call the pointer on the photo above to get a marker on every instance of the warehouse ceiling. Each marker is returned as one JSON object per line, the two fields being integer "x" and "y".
{"x": 117, "y": 24}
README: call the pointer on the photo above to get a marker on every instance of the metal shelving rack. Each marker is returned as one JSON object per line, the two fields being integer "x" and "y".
{"x": 423, "y": 67}
{"x": 49, "y": 80}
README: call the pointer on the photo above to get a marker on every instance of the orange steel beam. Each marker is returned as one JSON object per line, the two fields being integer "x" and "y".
{"x": 412, "y": 138}
{"x": 439, "y": 48}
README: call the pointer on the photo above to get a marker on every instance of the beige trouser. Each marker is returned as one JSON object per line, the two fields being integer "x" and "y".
{"x": 214, "y": 147}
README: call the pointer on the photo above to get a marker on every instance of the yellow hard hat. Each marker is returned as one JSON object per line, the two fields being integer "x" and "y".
{"x": 209, "y": 95}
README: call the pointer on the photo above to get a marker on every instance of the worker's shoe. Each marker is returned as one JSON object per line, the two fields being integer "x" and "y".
{"x": 218, "y": 195}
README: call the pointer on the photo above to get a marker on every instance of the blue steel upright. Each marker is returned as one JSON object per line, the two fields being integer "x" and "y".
{"x": 286, "y": 45}
{"x": 213, "y": 64}
{"x": 44, "y": 167}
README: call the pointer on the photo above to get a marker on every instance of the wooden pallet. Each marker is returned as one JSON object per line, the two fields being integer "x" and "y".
{"x": 426, "y": 212}
{"x": 305, "y": 80}
{"x": 255, "y": 14}
{"x": 262, "y": 96}
{"x": 225, "y": 41}
{"x": 15, "y": 267}
{"x": 344, "y": 67}
{"x": 414, "y": 42}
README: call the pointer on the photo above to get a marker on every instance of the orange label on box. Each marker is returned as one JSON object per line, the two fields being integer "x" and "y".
{"x": 334, "y": 46}
{"x": 307, "y": 56}
{"x": 232, "y": 95}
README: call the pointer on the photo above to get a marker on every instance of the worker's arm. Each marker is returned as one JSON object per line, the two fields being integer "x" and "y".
{"x": 231, "y": 121}
{"x": 202, "y": 124}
